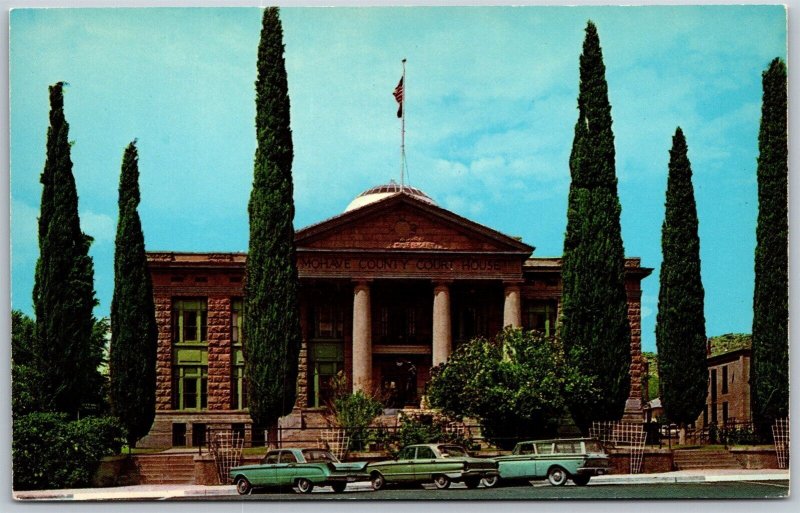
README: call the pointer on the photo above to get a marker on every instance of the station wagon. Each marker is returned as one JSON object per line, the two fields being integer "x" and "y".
{"x": 557, "y": 461}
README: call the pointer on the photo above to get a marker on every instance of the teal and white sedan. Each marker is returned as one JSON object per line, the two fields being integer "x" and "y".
{"x": 301, "y": 469}
{"x": 437, "y": 463}
{"x": 557, "y": 461}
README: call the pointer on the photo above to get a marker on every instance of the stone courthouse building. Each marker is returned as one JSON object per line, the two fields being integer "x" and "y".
{"x": 388, "y": 289}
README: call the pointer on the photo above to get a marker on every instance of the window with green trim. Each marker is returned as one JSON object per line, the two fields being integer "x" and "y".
{"x": 190, "y": 354}
{"x": 189, "y": 321}
{"x": 238, "y": 379}
{"x": 540, "y": 316}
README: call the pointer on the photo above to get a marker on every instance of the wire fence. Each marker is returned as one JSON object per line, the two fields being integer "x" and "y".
{"x": 780, "y": 435}
{"x": 226, "y": 447}
{"x": 622, "y": 435}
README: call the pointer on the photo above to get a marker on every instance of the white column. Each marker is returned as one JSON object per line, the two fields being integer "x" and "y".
{"x": 512, "y": 307}
{"x": 362, "y": 338}
{"x": 442, "y": 334}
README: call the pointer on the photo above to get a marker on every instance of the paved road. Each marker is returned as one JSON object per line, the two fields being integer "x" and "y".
{"x": 540, "y": 491}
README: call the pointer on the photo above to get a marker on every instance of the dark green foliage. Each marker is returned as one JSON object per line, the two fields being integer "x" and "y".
{"x": 272, "y": 323}
{"x": 354, "y": 413}
{"x": 49, "y": 451}
{"x": 63, "y": 294}
{"x": 681, "y": 323}
{"x": 594, "y": 305}
{"x": 132, "y": 358}
{"x": 516, "y": 386}
{"x": 651, "y": 382}
{"x": 23, "y": 329}
{"x": 424, "y": 429}
{"x": 25, "y": 372}
{"x": 770, "y": 367}
{"x": 24, "y": 379}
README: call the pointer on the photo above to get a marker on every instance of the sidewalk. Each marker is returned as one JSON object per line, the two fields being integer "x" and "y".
{"x": 144, "y": 492}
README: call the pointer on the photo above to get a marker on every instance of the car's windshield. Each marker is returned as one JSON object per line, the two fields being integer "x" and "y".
{"x": 451, "y": 451}
{"x": 318, "y": 456}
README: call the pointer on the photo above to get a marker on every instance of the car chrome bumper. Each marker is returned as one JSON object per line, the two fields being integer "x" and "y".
{"x": 473, "y": 473}
{"x": 593, "y": 471}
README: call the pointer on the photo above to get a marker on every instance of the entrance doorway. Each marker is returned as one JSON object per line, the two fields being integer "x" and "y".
{"x": 399, "y": 382}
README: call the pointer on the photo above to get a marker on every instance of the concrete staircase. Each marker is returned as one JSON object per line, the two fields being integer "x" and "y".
{"x": 687, "y": 459}
{"x": 164, "y": 468}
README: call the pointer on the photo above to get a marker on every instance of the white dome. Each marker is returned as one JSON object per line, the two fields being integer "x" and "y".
{"x": 381, "y": 192}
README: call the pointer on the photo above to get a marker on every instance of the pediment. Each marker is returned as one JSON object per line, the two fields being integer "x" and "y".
{"x": 403, "y": 222}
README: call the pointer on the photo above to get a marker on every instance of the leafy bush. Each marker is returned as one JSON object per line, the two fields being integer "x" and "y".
{"x": 354, "y": 412}
{"x": 515, "y": 385}
{"x": 424, "y": 429}
{"x": 49, "y": 451}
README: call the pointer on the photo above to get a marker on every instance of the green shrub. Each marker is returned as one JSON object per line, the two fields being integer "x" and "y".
{"x": 354, "y": 413}
{"x": 424, "y": 429}
{"x": 515, "y": 385}
{"x": 49, "y": 451}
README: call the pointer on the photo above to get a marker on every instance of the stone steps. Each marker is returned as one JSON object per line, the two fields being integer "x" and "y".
{"x": 165, "y": 469}
{"x": 685, "y": 459}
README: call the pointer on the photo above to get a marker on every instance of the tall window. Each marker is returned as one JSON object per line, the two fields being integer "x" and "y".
{"x": 328, "y": 322}
{"x": 238, "y": 379}
{"x": 724, "y": 379}
{"x": 190, "y": 354}
{"x": 325, "y": 352}
{"x": 540, "y": 316}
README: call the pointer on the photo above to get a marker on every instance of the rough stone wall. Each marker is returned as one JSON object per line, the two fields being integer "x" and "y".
{"x": 163, "y": 303}
{"x": 635, "y": 320}
{"x": 219, "y": 353}
{"x": 302, "y": 377}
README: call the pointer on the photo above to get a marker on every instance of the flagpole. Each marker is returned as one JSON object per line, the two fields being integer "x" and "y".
{"x": 403, "y": 132}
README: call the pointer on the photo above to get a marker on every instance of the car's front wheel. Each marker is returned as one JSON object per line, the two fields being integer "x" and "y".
{"x": 243, "y": 486}
{"x": 441, "y": 481}
{"x": 491, "y": 482}
{"x": 581, "y": 480}
{"x": 378, "y": 481}
{"x": 557, "y": 476}
{"x": 339, "y": 487}
{"x": 304, "y": 485}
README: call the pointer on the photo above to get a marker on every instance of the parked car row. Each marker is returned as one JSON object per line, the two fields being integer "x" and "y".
{"x": 558, "y": 461}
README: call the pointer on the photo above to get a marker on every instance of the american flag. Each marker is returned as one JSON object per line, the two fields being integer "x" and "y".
{"x": 398, "y": 95}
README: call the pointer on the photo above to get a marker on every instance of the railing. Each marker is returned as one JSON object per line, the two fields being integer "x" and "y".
{"x": 732, "y": 432}
{"x": 341, "y": 440}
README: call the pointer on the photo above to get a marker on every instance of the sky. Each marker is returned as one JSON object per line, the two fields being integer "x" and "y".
{"x": 490, "y": 113}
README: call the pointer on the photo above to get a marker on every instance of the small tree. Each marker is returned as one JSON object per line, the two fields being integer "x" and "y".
{"x": 516, "y": 385}
{"x": 65, "y": 357}
{"x": 594, "y": 306}
{"x": 272, "y": 323}
{"x": 681, "y": 324}
{"x": 132, "y": 358}
{"x": 24, "y": 378}
{"x": 770, "y": 367}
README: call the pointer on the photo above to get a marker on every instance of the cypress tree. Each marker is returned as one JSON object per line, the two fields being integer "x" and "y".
{"x": 594, "y": 318}
{"x": 132, "y": 359}
{"x": 272, "y": 323}
{"x": 63, "y": 293}
{"x": 681, "y": 323}
{"x": 770, "y": 366}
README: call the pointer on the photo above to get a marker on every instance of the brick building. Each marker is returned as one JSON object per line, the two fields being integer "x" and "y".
{"x": 728, "y": 399}
{"x": 387, "y": 290}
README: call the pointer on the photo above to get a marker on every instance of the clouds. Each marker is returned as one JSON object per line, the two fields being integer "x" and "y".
{"x": 491, "y": 107}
